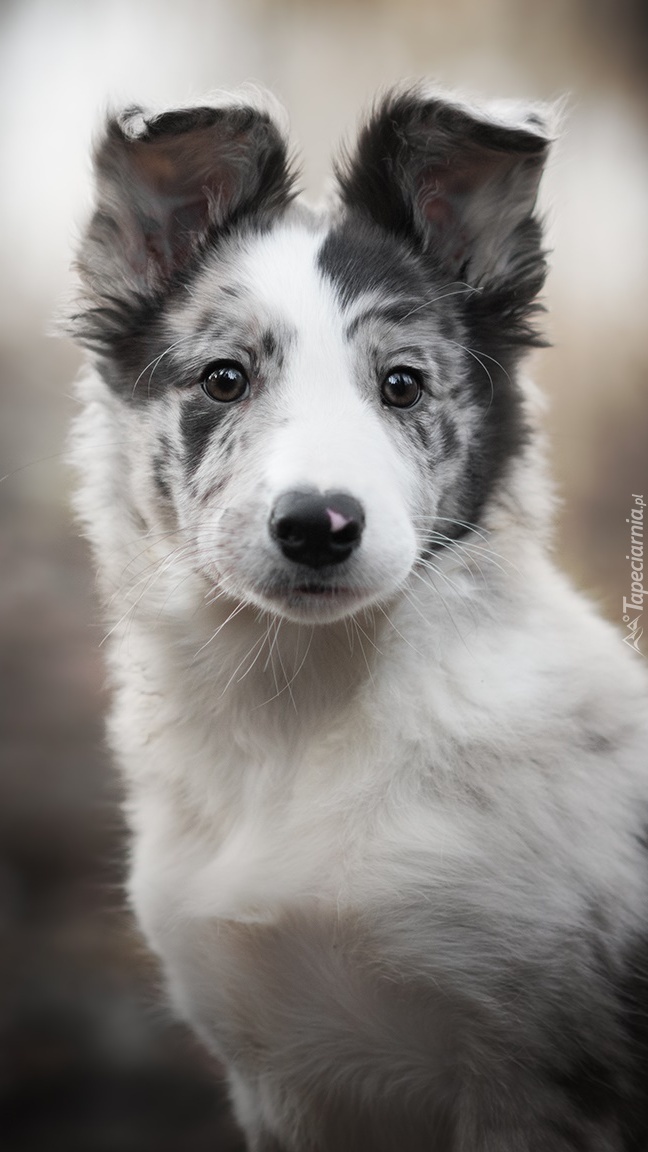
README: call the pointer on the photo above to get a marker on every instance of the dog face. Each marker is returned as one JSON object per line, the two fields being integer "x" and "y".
{"x": 317, "y": 402}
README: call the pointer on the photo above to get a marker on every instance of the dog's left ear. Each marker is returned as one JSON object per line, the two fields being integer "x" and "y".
{"x": 458, "y": 182}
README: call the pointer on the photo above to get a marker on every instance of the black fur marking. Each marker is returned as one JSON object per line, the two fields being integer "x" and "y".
{"x": 505, "y": 315}
{"x": 496, "y": 336}
{"x": 358, "y": 258}
{"x": 138, "y": 370}
{"x": 199, "y": 421}
{"x": 394, "y": 313}
{"x": 503, "y": 429}
{"x": 642, "y": 838}
{"x": 634, "y": 1004}
{"x": 591, "y": 1087}
{"x": 269, "y": 343}
{"x": 226, "y": 444}
{"x": 596, "y": 1052}
{"x": 273, "y": 346}
{"x": 420, "y": 428}
{"x": 501, "y": 435}
{"x": 449, "y": 438}
{"x": 603, "y": 1075}
{"x": 210, "y": 324}
{"x": 160, "y": 464}
{"x": 598, "y": 743}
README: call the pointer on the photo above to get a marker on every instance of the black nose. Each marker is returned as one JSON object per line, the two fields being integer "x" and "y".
{"x": 317, "y": 529}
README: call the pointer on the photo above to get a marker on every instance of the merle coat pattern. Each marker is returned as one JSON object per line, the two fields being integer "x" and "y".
{"x": 385, "y": 770}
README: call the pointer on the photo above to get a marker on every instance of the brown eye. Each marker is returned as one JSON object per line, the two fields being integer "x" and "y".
{"x": 401, "y": 388}
{"x": 225, "y": 381}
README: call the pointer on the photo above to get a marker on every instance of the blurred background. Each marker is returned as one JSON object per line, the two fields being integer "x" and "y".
{"x": 90, "y": 1061}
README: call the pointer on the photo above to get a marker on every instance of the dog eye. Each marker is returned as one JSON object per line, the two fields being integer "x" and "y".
{"x": 225, "y": 381}
{"x": 402, "y": 388}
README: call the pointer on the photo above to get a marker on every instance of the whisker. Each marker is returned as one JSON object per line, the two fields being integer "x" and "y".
{"x": 462, "y": 290}
{"x": 287, "y": 683}
{"x": 475, "y": 356}
{"x": 273, "y": 622}
{"x": 157, "y": 360}
{"x": 157, "y": 538}
{"x": 368, "y": 637}
{"x": 249, "y": 652}
{"x": 305, "y": 656}
{"x": 148, "y": 581}
{"x": 461, "y": 524}
{"x": 452, "y": 544}
{"x": 212, "y": 598}
{"x": 264, "y": 639}
{"x": 409, "y": 596}
{"x": 457, "y": 557}
{"x": 364, "y": 654}
{"x": 397, "y": 630}
{"x": 271, "y": 657}
{"x": 159, "y": 566}
{"x": 235, "y": 612}
{"x": 428, "y": 564}
{"x": 63, "y": 455}
{"x": 486, "y": 356}
{"x": 485, "y": 554}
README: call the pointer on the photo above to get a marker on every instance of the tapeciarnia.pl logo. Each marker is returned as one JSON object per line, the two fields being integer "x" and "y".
{"x": 634, "y": 601}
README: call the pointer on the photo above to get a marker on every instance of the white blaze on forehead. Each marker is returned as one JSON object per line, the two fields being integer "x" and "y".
{"x": 330, "y": 437}
{"x": 282, "y": 275}
{"x": 279, "y": 268}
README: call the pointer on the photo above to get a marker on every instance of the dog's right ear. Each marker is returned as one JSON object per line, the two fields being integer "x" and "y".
{"x": 166, "y": 184}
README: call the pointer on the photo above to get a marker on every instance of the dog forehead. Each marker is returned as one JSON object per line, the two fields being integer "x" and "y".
{"x": 331, "y": 276}
{"x": 308, "y": 281}
{"x": 279, "y": 272}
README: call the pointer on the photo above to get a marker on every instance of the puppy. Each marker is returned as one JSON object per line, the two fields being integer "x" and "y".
{"x": 385, "y": 769}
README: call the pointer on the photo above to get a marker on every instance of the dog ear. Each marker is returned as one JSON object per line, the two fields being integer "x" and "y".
{"x": 166, "y": 184}
{"x": 460, "y": 183}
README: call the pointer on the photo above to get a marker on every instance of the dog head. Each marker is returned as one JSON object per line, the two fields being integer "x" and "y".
{"x": 314, "y": 402}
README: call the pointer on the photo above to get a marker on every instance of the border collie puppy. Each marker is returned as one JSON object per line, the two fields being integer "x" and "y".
{"x": 385, "y": 769}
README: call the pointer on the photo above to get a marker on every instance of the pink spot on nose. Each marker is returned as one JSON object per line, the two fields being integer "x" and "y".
{"x": 337, "y": 520}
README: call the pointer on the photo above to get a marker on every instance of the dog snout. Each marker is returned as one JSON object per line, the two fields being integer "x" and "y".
{"x": 317, "y": 529}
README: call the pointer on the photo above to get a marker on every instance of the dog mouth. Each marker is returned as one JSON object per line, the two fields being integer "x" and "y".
{"x": 313, "y": 599}
{"x": 314, "y": 589}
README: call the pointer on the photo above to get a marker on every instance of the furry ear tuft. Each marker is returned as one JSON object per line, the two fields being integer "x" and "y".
{"x": 460, "y": 182}
{"x": 166, "y": 185}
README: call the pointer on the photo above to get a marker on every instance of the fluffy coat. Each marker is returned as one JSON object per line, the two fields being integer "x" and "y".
{"x": 389, "y": 811}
